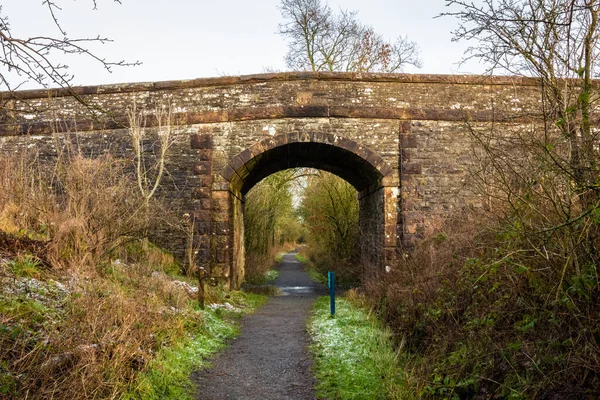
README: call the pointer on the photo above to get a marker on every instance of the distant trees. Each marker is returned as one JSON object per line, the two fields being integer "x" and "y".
{"x": 329, "y": 210}
{"x": 40, "y": 58}
{"x": 321, "y": 40}
{"x": 269, "y": 219}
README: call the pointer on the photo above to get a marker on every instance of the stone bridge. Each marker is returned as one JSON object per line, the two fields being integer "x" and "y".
{"x": 401, "y": 140}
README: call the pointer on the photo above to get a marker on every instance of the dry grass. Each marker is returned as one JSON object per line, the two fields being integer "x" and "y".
{"x": 481, "y": 313}
{"x": 83, "y": 305}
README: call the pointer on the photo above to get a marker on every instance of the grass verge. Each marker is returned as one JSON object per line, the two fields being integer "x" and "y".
{"x": 315, "y": 275}
{"x": 168, "y": 375}
{"x": 354, "y": 357}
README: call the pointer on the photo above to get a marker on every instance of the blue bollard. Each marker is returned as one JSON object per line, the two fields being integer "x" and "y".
{"x": 331, "y": 285}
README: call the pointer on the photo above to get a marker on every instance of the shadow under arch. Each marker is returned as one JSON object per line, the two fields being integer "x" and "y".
{"x": 349, "y": 160}
{"x": 356, "y": 163}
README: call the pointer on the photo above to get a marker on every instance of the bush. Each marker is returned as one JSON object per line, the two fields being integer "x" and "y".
{"x": 484, "y": 314}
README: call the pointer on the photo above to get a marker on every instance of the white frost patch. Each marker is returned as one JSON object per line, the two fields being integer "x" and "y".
{"x": 179, "y": 109}
{"x": 388, "y": 269}
{"x": 191, "y": 290}
{"x": 395, "y": 192}
{"x": 225, "y": 306}
{"x": 455, "y": 106}
{"x": 270, "y": 129}
{"x": 368, "y": 91}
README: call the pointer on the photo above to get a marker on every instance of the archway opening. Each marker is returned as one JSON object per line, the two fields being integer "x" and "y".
{"x": 310, "y": 210}
{"x": 356, "y": 164}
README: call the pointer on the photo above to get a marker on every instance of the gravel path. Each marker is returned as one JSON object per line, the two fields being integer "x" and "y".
{"x": 269, "y": 359}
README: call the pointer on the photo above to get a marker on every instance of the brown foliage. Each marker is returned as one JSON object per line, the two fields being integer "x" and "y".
{"x": 88, "y": 336}
{"x": 481, "y": 313}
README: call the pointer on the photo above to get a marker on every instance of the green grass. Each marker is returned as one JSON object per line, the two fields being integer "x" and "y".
{"x": 25, "y": 266}
{"x": 271, "y": 275}
{"x": 301, "y": 258}
{"x": 168, "y": 375}
{"x": 315, "y": 275}
{"x": 353, "y": 355}
{"x": 264, "y": 279}
{"x": 279, "y": 258}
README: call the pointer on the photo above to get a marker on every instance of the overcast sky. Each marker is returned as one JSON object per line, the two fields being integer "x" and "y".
{"x": 179, "y": 39}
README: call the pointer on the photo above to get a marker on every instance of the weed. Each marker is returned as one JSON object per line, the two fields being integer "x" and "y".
{"x": 25, "y": 267}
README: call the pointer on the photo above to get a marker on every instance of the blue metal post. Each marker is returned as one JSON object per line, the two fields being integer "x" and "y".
{"x": 331, "y": 284}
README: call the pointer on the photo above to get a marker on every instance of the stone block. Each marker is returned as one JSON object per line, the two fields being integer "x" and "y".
{"x": 411, "y": 169}
{"x": 405, "y": 126}
{"x": 202, "y": 168}
{"x": 221, "y": 227}
{"x": 246, "y": 156}
{"x": 201, "y": 141}
{"x": 205, "y": 155}
{"x": 201, "y": 192}
{"x": 222, "y": 256}
{"x": 205, "y": 203}
{"x": 408, "y": 141}
{"x": 236, "y": 163}
{"x": 203, "y": 256}
{"x": 202, "y": 227}
{"x": 206, "y": 180}
{"x": 304, "y": 98}
{"x": 228, "y": 172}
{"x": 202, "y": 216}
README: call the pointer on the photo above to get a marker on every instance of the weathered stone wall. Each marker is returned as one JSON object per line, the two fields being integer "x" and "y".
{"x": 371, "y": 223}
{"x": 402, "y": 140}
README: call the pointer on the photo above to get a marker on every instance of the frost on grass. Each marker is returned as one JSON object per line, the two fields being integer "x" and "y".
{"x": 354, "y": 356}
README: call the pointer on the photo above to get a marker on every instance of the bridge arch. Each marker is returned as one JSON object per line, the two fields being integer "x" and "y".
{"x": 356, "y": 163}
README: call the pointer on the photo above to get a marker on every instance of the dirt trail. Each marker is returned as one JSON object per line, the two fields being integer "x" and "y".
{"x": 269, "y": 360}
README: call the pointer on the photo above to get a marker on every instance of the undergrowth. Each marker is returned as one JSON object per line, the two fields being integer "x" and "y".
{"x": 168, "y": 374}
{"x": 483, "y": 315}
{"x": 87, "y": 303}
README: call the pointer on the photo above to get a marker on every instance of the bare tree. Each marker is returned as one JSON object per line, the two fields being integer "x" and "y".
{"x": 38, "y": 58}
{"x": 556, "y": 41}
{"x": 320, "y": 40}
{"x": 546, "y": 175}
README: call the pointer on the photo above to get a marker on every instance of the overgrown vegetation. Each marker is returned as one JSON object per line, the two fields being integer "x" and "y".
{"x": 329, "y": 210}
{"x": 270, "y": 222}
{"x": 86, "y": 303}
{"x": 310, "y": 269}
{"x": 504, "y": 301}
{"x": 354, "y": 356}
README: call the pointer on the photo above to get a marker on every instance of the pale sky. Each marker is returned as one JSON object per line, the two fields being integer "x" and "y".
{"x": 179, "y": 39}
